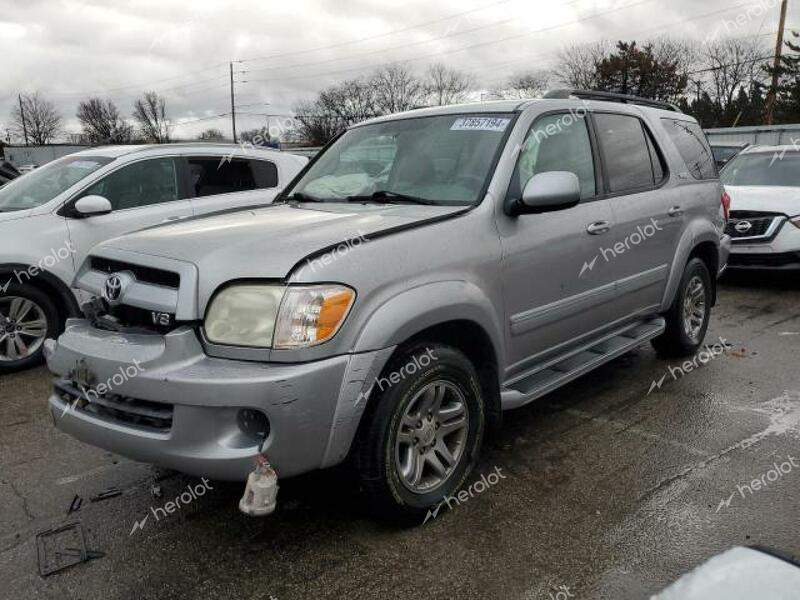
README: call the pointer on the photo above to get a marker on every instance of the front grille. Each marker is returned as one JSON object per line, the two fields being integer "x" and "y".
{"x": 133, "y": 317}
{"x": 153, "y": 416}
{"x": 142, "y": 274}
{"x": 761, "y": 225}
{"x": 764, "y": 260}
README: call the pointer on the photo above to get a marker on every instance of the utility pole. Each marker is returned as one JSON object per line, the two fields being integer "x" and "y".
{"x": 233, "y": 108}
{"x": 773, "y": 92}
{"x": 22, "y": 116}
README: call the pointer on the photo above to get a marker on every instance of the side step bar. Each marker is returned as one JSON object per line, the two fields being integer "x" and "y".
{"x": 552, "y": 374}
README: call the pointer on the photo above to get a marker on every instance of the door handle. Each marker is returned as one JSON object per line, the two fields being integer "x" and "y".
{"x": 173, "y": 218}
{"x": 598, "y": 227}
{"x": 675, "y": 211}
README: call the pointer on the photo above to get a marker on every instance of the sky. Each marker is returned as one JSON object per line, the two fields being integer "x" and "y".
{"x": 283, "y": 52}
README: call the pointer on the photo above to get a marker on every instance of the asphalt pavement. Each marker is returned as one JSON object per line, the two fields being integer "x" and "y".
{"x": 611, "y": 487}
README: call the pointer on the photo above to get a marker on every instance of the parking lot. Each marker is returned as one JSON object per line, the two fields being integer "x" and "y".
{"x": 611, "y": 487}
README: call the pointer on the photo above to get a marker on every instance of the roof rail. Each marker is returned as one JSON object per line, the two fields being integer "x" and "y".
{"x": 563, "y": 94}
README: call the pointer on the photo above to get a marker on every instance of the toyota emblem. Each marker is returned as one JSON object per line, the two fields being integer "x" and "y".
{"x": 115, "y": 286}
{"x": 743, "y": 226}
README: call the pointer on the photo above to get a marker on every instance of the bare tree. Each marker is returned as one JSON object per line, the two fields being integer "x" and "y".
{"x": 151, "y": 114}
{"x": 576, "y": 66}
{"x": 396, "y": 89}
{"x": 732, "y": 64}
{"x": 444, "y": 85}
{"x": 102, "y": 123}
{"x": 42, "y": 123}
{"x": 523, "y": 85}
{"x": 315, "y": 125}
{"x": 213, "y": 135}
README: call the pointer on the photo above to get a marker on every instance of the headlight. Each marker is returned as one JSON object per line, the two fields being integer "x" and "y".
{"x": 277, "y": 316}
{"x": 311, "y": 315}
{"x": 244, "y": 315}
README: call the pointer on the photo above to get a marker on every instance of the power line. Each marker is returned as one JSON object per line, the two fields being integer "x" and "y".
{"x": 374, "y": 37}
{"x": 400, "y": 47}
{"x": 462, "y": 49}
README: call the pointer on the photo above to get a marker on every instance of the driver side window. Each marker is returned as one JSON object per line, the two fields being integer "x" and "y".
{"x": 139, "y": 184}
{"x": 557, "y": 142}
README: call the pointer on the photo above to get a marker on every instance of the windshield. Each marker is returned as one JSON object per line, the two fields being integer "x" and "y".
{"x": 42, "y": 185}
{"x": 763, "y": 169}
{"x": 443, "y": 160}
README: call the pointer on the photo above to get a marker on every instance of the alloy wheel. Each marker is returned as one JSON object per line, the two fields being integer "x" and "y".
{"x": 694, "y": 309}
{"x": 23, "y": 327}
{"x": 431, "y": 437}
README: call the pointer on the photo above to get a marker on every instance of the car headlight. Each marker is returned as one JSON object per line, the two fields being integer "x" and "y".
{"x": 277, "y": 316}
{"x": 244, "y": 315}
{"x": 310, "y": 315}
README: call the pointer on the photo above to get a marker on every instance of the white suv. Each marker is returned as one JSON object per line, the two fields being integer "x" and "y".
{"x": 764, "y": 186}
{"x": 52, "y": 217}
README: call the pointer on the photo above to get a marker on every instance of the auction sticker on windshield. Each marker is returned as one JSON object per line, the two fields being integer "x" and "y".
{"x": 480, "y": 124}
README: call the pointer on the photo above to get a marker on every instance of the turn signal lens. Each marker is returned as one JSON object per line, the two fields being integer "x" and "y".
{"x": 310, "y": 315}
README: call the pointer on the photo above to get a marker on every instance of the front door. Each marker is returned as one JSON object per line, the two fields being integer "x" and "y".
{"x": 554, "y": 294}
{"x": 142, "y": 194}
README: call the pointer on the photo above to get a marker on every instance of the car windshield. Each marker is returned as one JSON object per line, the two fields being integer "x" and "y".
{"x": 443, "y": 160}
{"x": 42, "y": 185}
{"x": 766, "y": 168}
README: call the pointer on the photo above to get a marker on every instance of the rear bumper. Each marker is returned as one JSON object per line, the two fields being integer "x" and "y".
{"x": 723, "y": 253}
{"x": 203, "y": 436}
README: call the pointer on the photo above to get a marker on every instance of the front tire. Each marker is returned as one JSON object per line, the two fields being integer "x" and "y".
{"x": 27, "y": 318}
{"x": 687, "y": 318}
{"x": 422, "y": 434}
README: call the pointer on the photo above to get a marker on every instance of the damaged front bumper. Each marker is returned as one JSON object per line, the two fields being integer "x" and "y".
{"x": 160, "y": 399}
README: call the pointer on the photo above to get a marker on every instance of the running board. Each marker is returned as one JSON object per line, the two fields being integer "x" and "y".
{"x": 553, "y": 373}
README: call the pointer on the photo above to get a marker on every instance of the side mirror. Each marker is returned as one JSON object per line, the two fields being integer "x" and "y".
{"x": 92, "y": 205}
{"x": 553, "y": 190}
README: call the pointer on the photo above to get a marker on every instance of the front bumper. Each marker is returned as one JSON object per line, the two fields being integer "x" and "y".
{"x": 306, "y": 404}
{"x": 782, "y": 253}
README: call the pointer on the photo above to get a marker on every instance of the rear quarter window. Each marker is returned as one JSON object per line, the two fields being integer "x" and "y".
{"x": 693, "y": 147}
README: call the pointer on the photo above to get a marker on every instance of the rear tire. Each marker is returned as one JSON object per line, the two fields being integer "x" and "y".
{"x": 27, "y": 318}
{"x": 687, "y": 318}
{"x": 422, "y": 433}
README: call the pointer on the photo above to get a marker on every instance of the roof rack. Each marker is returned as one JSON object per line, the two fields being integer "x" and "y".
{"x": 563, "y": 94}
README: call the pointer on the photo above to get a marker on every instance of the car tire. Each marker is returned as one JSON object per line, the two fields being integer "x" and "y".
{"x": 687, "y": 318}
{"x": 27, "y": 318}
{"x": 398, "y": 432}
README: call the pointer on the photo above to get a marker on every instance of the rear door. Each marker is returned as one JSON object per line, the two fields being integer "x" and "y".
{"x": 142, "y": 194}
{"x": 647, "y": 210}
{"x": 222, "y": 182}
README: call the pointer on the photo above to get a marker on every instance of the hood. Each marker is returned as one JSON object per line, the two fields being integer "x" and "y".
{"x": 765, "y": 198}
{"x": 267, "y": 242}
{"x": 13, "y": 215}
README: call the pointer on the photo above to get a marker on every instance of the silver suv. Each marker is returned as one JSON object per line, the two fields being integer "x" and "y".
{"x": 424, "y": 273}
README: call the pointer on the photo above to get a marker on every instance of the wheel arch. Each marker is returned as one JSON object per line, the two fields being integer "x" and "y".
{"x": 700, "y": 240}
{"x": 47, "y": 283}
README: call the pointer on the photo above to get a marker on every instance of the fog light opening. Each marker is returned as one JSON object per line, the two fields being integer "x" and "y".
{"x": 253, "y": 423}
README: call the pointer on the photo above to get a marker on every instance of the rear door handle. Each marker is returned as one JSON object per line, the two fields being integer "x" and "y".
{"x": 675, "y": 211}
{"x": 173, "y": 218}
{"x": 598, "y": 227}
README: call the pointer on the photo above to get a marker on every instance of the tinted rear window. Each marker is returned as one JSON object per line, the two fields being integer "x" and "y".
{"x": 693, "y": 147}
{"x": 625, "y": 152}
{"x": 218, "y": 175}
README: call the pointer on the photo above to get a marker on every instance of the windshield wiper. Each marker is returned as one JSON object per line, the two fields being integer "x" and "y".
{"x": 301, "y": 197}
{"x": 387, "y": 197}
